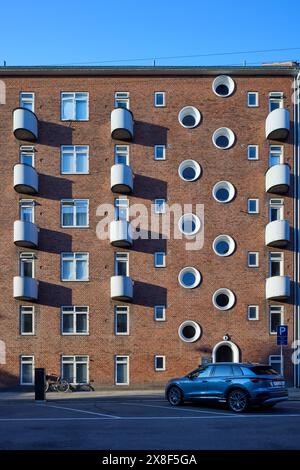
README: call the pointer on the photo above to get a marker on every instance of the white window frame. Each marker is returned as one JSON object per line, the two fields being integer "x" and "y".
{"x": 27, "y": 150}
{"x": 73, "y": 203}
{"x": 156, "y": 264}
{"x": 257, "y": 205}
{"x": 121, "y": 203}
{"x": 279, "y": 309}
{"x": 256, "y": 265}
{"x": 121, "y": 256}
{"x": 74, "y": 312}
{"x": 31, "y": 361}
{"x": 67, "y": 255}
{"x": 156, "y": 147}
{"x": 74, "y": 362}
{"x": 72, "y": 95}
{"x": 122, "y": 310}
{"x": 276, "y": 359}
{"x": 23, "y": 203}
{"x": 156, "y": 307}
{"x": 122, "y": 97}
{"x": 256, "y": 99}
{"x": 30, "y": 100}
{"x": 276, "y": 97}
{"x": 163, "y": 93}
{"x": 159, "y": 369}
{"x": 256, "y": 307}
{"x": 256, "y": 152}
{"x": 278, "y": 259}
{"x": 124, "y": 361}
{"x": 276, "y": 203}
{"x": 157, "y": 205}
{"x": 279, "y": 153}
{"x": 27, "y": 309}
{"x": 124, "y": 150}
{"x": 74, "y": 151}
{"x": 26, "y": 257}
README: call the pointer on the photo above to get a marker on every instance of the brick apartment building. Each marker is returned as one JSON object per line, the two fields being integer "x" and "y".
{"x": 122, "y": 312}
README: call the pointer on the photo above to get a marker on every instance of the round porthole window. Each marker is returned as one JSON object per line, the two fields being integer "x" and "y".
{"x": 189, "y": 170}
{"x": 189, "y": 331}
{"x": 189, "y": 278}
{"x": 189, "y": 224}
{"x": 223, "y": 86}
{"x": 189, "y": 117}
{"x": 223, "y": 245}
{"x": 223, "y": 299}
{"x": 223, "y": 192}
{"x": 223, "y": 138}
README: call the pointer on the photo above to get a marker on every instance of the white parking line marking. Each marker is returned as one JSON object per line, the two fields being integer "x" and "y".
{"x": 82, "y": 411}
{"x": 177, "y": 409}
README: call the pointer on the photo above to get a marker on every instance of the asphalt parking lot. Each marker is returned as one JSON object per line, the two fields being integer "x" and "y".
{"x": 143, "y": 422}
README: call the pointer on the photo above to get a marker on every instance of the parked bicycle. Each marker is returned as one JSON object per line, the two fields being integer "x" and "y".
{"x": 80, "y": 387}
{"x": 55, "y": 383}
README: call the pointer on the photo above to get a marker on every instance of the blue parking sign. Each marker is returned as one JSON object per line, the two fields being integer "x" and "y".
{"x": 282, "y": 335}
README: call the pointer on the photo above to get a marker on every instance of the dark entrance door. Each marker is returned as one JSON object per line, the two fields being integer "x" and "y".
{"x": 224, "y": 354}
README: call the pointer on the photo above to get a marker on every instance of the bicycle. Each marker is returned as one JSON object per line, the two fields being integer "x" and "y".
{"x": 80, "y": 387}
{"x": 55, "y": 383}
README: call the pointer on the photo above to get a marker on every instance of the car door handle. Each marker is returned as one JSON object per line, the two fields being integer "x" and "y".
{"x": 228, "y": 380}
{"x": 204, "y": 381}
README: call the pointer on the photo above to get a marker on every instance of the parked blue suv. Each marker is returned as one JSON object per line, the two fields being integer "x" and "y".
{"x": 239, "y": 385}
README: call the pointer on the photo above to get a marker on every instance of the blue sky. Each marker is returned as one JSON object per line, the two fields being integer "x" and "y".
{"x": 109, "y": 32}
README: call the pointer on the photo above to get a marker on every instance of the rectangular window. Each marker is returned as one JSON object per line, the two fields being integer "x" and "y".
{"x": 75, "y": 369}
{"x": 160, "y": 259}
{"x": 252, "y": 152}
{"x": 275, "y": 154}
{"x": 122, "y": 99}
{"x": 74, "y": 159}
{"x": 160, "y": 363}
{"x": 27, "y": 370}
{"x": 253, "y": 206}
{"x": 276, "y": 318}
{"x": 275, "y": 100}
{"x": 27, "y": 100}
{"x": 27, "y": 264}
{"x": 121, "y": 208}
{"x": 74, "y": 106}
{"x": 159, "y": 99}
{"x": 160, "y": 206}
{"x": 276, "y": 209}
{"x": 121, "y": 320}
{"x": 253, "y": 259}
{"x": 122, "y": 154}
{"x": 252, "y": 99}
{"x": 252, "y": 312}
{"x": 276, "y": 264}
{"x": 159, "y": 313}
{"x": 275, "y": 363}
{"x": 122, "y": 264}
{"x": 27, "y": 155}
{"x": 27, "y": 320}
{"x": 122, "y": 370}
{"x": 75, "y": 213}
{"x": 27, "y": 210}
{"x": 74, "y": 266}
{"x": 74, "y": 320}
{"x": 159, "y": 152}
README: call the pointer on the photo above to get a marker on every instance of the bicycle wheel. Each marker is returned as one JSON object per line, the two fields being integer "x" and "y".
{"x": 46, "y": 386}
{"x": 63, "y": 386}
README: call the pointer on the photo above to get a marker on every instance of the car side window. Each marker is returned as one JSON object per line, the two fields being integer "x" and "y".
{"x": 237, "y": 371}
{"x": 201, "y": 372}
{"x": 223, "y": 371}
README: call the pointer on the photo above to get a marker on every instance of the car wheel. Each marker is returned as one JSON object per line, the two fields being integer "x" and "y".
{"x": 237, "y": 401}
{"x": 174, "y": 396}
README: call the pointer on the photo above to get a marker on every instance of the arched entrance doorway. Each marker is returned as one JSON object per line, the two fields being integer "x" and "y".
{"x": 226, "y": 351}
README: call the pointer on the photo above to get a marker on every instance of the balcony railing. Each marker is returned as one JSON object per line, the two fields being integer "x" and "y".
{"x": 25, "y": 124}
{"x": 120, "y": 233}
{"x": 25, "y": 234}
{"x": 121, "y": 288}
{"x": 278, "y": 178}
{"x": 278, "y": 287}
{"x": 121, "y": 124}
{"x": 25, "y": 179}
{"x": 25, "y": 288}
{"x": 277, "y": 233}
{"x": 121, "y": 178}
{"x": 278, "y": 124}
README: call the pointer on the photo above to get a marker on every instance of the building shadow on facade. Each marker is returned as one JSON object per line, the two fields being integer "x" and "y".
{"x": 52, "y": 187}
{"x": 149, "y": 242}
{"x": 52, "y": 241}
{"x": 53, "y": 134}
{"x": 149, "y": 295}
{"x": 148, "y": 134}
{"x": 54, "y": 295}
{"x": 146, "y": 187}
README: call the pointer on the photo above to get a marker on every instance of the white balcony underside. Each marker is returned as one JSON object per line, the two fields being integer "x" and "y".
{"x": 278, "y": 179}
{"x": 25, "y": 234}
{"x": 278, "y": 124}
{"x": 278, "y": 287}
{"x": 277, "y": 233}
{"x": 25, "y": 288}
{"x": 121, "y": 288}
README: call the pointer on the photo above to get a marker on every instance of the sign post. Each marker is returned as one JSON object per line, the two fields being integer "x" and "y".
{"x": 282, "y": 340}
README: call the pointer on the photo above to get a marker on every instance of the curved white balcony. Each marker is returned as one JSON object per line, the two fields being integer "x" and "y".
{"x": 121, "y": 288}
{"x": 120, "y": 233}
{"x": 278, "y": 287}
{"x": 121, "y": 124}
{"x": 277, "y": 233}
{"x": 25, "y": 234}
{"x": 278, "y": 124}
{"x": 26, "y": 179}
{"x": 278, "y": 178}
{"x": 25, "y": 124}
{"x": 121, "y": 178}
{"x": 25, "y": 288}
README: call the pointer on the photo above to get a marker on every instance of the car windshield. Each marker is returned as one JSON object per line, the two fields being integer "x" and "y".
{"x": 264, "y": 370}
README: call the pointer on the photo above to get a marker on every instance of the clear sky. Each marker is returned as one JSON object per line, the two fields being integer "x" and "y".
{"x": 109, "y": 32}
